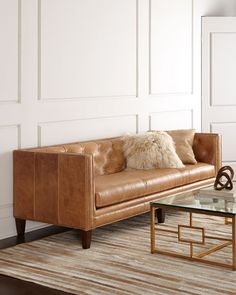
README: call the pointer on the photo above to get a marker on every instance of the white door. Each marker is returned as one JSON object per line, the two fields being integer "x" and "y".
{"x": 219, "y": 82}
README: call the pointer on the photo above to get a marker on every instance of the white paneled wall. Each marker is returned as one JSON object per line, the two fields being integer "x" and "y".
{"x": 218, "y": 83}
{"x": 69, "y": 131}
{"x": 227, "y": 130}
{"x": 83, "y": 69}
{"x": 88, "y": 48}
{"x": 173, "y": 27}
{"x": 9, "y": 51}
{"x": 222, "y": 65}
{"x": 168, "y": 120}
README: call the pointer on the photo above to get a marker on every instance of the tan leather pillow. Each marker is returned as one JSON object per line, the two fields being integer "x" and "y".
{"x": 184, "y": 144}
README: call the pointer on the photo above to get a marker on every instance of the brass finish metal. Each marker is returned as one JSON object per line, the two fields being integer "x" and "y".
{"x": 217, "y": 238}
{"x": 234, "y": 242}
{"x": 227, "y": 221}
{"x": 213, "y": 249}
{"x": 197, "y": 257}
{"x": 191, "y": 224}
{"x": 168, "y": 230}
{"x": 191, "y": 241}
{"x": 152, "y": 229}
{"x": 176, "y": 255}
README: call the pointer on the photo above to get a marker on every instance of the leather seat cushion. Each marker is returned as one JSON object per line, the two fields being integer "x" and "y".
{"x": 130, "y": 184}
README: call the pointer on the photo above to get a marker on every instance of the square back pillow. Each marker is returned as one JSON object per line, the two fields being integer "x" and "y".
{"x": 184, "y": 144}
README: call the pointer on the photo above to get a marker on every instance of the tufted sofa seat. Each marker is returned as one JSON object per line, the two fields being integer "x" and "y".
{"x": 85, "y": 185}
{"x": 131, "y": 184}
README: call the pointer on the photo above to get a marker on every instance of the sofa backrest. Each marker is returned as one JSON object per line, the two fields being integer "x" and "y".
{"x": 107, "y": 154}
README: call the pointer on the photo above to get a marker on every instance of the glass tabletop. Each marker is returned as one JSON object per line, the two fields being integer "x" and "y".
{"x": 199, "y": 200}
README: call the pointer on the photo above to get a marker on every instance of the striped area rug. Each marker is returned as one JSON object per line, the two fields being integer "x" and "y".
{"x": 119, "y": 261}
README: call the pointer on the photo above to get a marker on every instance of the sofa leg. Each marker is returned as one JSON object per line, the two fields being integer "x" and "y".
{"x": 20, "y": 227}
{"x": 86, "y": 237}
{"x": 160, "y": 215}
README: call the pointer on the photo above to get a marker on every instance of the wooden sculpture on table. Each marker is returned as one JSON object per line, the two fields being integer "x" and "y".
{"x": 228, "y": 173}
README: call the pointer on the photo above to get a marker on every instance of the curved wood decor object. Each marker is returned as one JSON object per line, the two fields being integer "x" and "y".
{"x": 228, "y": 173}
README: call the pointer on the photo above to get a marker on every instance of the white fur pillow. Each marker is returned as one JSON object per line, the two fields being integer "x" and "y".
{"x": 151, "y": 150}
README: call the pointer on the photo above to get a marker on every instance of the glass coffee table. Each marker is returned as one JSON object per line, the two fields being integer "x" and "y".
{"x": 191, "y": 237}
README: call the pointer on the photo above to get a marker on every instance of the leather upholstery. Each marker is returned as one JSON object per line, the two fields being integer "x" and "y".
{"x": 140, "y": 205}
{"x": 23, "y": 184}
{"x": 76, "y": 190}
{"x": 51, "y": 149}
{"x": 107, "y": 154}
{"x": 127, "y": 185}
{"x": 54, "y": 188}
{"x": 207, "y": 149}
{"x": 56, "y": 184}
{"x": 184, "y": 144}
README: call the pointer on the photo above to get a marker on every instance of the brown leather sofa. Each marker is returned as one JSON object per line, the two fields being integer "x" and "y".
{"x": 85, "y": 185}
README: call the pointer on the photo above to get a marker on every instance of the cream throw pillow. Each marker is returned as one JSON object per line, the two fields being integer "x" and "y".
{"x": 184, "y": 144}
{"x": 151, "y": 150}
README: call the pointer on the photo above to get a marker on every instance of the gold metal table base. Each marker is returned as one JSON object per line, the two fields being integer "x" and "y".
{"x": 224, "y": 242}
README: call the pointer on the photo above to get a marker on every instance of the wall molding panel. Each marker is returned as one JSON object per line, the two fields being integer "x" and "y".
{"x": 19, "y": 53}
{"x": 84, "y": 129}
{"x": 10, "y": 51}
{"x": 218, "y": 83}
{"x": 9, "y": 140}
{"x": 6, "y": 211}
{"x": 168, "y": 120}
{"x": 218, "y": 87}
{"x": 130, "y": 91}
{"x": 162, "y": 24}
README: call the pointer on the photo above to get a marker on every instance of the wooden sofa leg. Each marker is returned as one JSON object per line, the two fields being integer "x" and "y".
{"x": 20, "y": 226}
{"x": 160, "y": 215}
{"x": 86, "y": 237}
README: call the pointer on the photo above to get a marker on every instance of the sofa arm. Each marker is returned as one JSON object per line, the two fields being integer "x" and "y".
{"x": 207, "y": 148}
{"x": 56, "y": 188}
{"x": 76, "y": 190}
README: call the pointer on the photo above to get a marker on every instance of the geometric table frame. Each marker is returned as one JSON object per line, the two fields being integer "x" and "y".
{"x": 223, "y": 242}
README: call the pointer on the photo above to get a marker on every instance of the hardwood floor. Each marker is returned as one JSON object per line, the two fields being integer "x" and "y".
{"x": 11, "y": 286}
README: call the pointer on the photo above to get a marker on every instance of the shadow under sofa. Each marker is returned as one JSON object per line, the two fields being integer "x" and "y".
{"x": 86, "y": 185}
